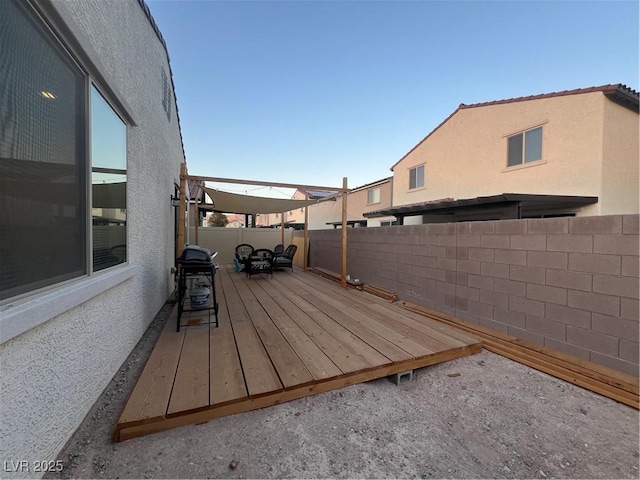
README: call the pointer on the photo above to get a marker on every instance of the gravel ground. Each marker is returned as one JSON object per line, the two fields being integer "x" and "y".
{"x": 482, "y": 416}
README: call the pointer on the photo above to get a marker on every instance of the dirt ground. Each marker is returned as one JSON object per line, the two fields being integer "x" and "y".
{"x": 482, "y": 416}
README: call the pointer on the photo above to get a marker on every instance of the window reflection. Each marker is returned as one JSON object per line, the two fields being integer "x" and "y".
{"x": 108, "y": 184}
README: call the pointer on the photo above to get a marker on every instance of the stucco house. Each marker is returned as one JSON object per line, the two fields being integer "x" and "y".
{"x": 373, "y": 195}
{"x": 90, "y": 154}
{"x": 569, "y": 153}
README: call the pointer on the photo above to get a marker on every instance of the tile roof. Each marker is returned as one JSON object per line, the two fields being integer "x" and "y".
{"x": 616, "y": 92}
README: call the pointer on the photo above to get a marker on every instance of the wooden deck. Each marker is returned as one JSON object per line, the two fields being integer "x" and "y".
{"x": 279, "y": 339}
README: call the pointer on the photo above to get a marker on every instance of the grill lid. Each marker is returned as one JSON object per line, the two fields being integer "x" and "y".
{"x": 195, "y": 254}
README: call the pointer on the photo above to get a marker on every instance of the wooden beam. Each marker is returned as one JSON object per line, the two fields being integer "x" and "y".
{"x": 181, "y": 211}
{"x": 344, "y": 232}
{"x": 282, "y": 228}
{"x": 263, "y": 184}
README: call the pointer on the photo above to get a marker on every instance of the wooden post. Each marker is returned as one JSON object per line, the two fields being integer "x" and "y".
{"x": 344, "y": 233}
{"x": 181, "y": 211}
{"x": 282, "y": 227}
{"x": 197, "y": 220}
{"x": 306, "y": 234}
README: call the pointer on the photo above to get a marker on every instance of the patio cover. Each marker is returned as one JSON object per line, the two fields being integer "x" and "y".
{"x": 224, "y": 202}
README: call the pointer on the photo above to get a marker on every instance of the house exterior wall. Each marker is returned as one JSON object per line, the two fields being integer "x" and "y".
{"x": 570, "y": 284}
{"x": 357, "y": 204}
{"x": 620, "y": 171}
{"x": 467, "y": 156}
{"x": 53, "y": 372}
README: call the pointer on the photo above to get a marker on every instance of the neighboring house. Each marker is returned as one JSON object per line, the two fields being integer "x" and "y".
{"x": 566, "y": 153}
{"x": 235, "y": 221}
{"x": 372, "y": 196}
{"x": 293, "y": 218}
{"x": 86, "y": 92}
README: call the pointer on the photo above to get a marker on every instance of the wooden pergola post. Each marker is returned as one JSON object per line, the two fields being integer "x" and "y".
{"x": 197, "y": 220}
{"x": 182, "y": 208}
{"x": 306, "y": 234}
{"x": 282, "y": 227}
{"x": 344, "y": 233}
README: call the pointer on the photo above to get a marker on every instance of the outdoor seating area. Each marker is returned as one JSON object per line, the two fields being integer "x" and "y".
{"x": 263, "y": 260}
{"x": 278, "y": 340}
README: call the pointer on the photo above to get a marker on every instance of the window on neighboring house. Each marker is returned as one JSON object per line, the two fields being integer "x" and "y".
{"x": 373, "y": 195}
{"x": 525, "y": 147}
{"x": 416, "y": 177}
{"x": 44, "y": 160}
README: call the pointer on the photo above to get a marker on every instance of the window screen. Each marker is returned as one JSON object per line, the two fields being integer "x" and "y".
{"x": 42, "y": 156}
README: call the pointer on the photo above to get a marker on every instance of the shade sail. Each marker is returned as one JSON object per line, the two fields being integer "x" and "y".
{"x": 225, "y": 202}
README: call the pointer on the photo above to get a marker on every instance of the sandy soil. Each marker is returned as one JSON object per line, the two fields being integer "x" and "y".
{"x": 482, "y": 416}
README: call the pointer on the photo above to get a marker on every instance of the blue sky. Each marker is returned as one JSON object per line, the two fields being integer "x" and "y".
{"x": 308, "y": 92}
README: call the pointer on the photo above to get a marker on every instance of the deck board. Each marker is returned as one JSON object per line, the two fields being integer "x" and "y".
{"x": 279, "y": 338}
{"x": 225, "y": 371}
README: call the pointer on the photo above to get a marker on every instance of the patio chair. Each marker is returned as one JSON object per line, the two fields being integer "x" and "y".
{"x": 260, "y": 261}
{"x": 278, "y": 250}
{"x": 243, "y": 252}
{"x": 285, "y": 259}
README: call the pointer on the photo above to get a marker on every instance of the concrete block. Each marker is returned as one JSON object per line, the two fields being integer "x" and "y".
{"x": 469, "y": 266}
{"x": 629, "y": 350}
{"x": 491, "y": 297}
{"x": 446, "y": 240}
{"x": 546, "y": 328}
{"x": 601, "y": 225}
{"x": 594, "y": 302}
{"x": 557, "y": 260}
{"x": 629, "y": 308}
{"x": 595, "y": 341}
{"x": 482, "y": 227}
{"x": 526, "y": 306}
{"x": 570, "y": 316}
{"x": 630, "y": 266}
{"x": 509, "y": 317}
{"x": 494, "y": 241}
{"x": 570, "y": 243}
{"x": 544, "y": 293}
{"x": 478, "y": 281}
{"x": 462, "y": 253}
{"x": 616, "y": 244}
{"x": 595, "y": 263}
{"x": 481, "y": 254}
{"x": 497, "y": 270}
{"x": 615, "y": 326}
{"x": 630, "y": 224}
{"x": 451, "y": 252}
{"x": 401, "y": 378}
{"x": 511, "y": 257}
{"x": 528, "y": 242}
{"x": 511, "y": 227}
{"x": 468, "y": 292}
{"x": 437, "y": 251}
{"x": 510, "y": 287}
{"x": 462, "y": 228}
{"x": 446, "y": 263}
{"x": 527, "y": 274}
{"x": 614, "y": 285}
{"x": 468, "y": 240}
{"x": 568, "y": 279}
{"x": 493, "y": 325}
{"x": 619, "y": 364}
{"x": 556, "y": 226}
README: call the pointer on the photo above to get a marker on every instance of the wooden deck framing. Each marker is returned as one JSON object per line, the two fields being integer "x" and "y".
{"x": 279, "y": 339}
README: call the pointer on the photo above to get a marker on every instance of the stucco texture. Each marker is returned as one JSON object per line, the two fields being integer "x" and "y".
{"x": 52, "y": 374}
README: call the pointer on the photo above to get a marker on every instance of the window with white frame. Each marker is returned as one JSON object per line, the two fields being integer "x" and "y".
{"x": 373, "y": 195}
{"x": 524, "y": 147}
{"x": 45, "y": 196}
{"x": 416, "y": 177}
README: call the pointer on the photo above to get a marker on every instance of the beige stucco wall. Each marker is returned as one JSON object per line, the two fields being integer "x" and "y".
{"x": 467, "y": 156}
{"x": 620, "y": 160}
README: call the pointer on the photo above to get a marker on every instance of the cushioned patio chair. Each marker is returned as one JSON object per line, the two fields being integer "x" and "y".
{"x": 260, "y": 261}
{"x": 243, "y": 252}
{"x": 278, "y": 249}
{"x": 285, "y": 259}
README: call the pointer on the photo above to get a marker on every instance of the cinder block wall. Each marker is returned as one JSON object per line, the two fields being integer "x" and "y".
{"x": 570, "y": 284}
